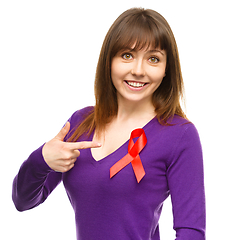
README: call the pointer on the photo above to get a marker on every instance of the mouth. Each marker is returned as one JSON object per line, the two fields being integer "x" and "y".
{"x": 136, "y": 84}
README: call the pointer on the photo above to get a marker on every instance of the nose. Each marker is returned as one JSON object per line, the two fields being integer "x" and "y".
{"x": 138, "y": 68}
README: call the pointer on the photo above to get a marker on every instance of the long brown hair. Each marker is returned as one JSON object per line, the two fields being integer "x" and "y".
{"x": 141, "y": 28}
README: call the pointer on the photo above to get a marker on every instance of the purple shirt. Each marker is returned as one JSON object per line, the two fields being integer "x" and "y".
{"x": 120, "y": 208}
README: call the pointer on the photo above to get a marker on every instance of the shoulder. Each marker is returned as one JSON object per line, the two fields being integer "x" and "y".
{"x": 80, "y": 115}
{"x": 178, "y": 120}
{"x": 186, "y": 142}
{"x": 77, "y": 118}
{"x": 183, "y": 131}
{"x": 179, "y": 134}
{"x": 184, "y": 127}
{"x": 175, "y": 127}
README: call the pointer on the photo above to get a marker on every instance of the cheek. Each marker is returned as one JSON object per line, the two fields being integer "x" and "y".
{"x": 118, "y": 70}
{"x": 157, "y": 76}
{"x": 115, "y": 74}
{"x": 114, "y": 68}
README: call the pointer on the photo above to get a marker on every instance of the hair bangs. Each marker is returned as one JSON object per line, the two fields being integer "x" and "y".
{"x": 139, "y": 32}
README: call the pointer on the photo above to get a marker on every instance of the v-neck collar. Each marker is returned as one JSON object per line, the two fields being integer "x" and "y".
{"x": 146, "y": 126}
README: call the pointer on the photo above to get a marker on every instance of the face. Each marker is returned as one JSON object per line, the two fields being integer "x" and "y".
{"x": 137, "y": 74}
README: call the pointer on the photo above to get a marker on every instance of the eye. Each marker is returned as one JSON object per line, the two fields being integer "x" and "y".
{"x": 153, "y": 60}
{"x": 127, "y": 56}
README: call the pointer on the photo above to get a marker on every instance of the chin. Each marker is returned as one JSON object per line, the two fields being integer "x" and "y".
{"x": 135, "y": 100}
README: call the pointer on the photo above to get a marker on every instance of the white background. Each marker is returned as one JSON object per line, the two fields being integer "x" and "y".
{"x": 48, "y": 55}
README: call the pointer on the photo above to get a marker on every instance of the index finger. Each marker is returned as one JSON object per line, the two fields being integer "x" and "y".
{"x": 83, "y": 145}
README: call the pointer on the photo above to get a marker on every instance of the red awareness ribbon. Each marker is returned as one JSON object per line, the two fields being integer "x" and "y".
{"x": 133, "y": 155}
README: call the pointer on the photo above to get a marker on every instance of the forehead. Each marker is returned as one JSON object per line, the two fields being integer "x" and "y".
{"x": 145, "y": 48}
{"x": 141, "y": 42}
{"x": 138, "y": 39}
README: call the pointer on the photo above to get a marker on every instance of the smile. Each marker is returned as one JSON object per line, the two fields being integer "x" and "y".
{"x": 135, "y": 84}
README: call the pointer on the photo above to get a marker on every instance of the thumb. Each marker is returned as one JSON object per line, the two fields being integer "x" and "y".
{"x": 63, "y": 132}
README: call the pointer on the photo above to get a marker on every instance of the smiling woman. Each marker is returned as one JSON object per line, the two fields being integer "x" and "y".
{"x": 122, "y": 158}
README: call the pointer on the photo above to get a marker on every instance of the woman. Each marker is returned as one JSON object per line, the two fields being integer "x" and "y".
{"x": 122, "y": 158}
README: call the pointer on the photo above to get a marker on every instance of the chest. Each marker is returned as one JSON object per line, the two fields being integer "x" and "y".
{"x": 116, "y": 134}
{"x": 90, "y": 179}
{"x": 113, "y": 139}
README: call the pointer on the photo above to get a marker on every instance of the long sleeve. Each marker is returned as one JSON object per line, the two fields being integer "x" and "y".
{"x": 186, "y": 183}
{"x": 34, "y": 182}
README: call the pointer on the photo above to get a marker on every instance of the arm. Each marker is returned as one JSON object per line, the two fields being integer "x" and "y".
{"x": 186, "y": 184}
{"x": 41, "y": 172}
{"x": 34, "y": 182}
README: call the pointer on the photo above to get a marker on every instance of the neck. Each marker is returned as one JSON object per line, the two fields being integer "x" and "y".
{"x": 135, "y": 110}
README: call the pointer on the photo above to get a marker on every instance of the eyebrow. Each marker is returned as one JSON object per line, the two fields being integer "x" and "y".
{"x": 149, "y": 51}
{"x": 156, "y": 50}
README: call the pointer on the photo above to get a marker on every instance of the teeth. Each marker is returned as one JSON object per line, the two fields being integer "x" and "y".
{"x": 135, "y": 84}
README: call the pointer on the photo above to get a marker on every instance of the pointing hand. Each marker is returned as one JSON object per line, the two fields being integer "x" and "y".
{"x": 61, "y": 156}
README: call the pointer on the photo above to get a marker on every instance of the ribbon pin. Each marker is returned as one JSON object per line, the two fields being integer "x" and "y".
{"x": 133, "y": 155}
